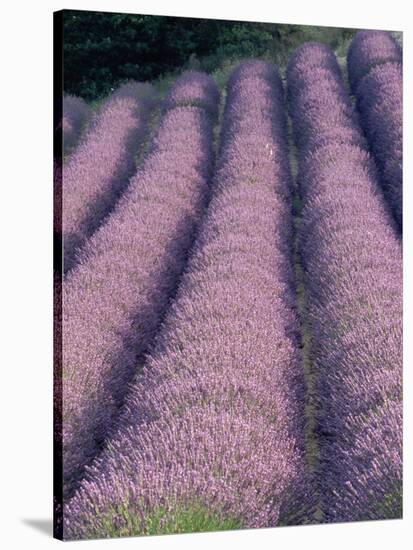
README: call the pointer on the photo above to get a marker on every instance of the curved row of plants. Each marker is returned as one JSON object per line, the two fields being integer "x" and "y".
{"x": 353, "y": 274}
{"x": 375, "y": 69}
{"x": 211, "y": 435}
{"x": 98, "y": 170}
{"x": 114, "y": 299}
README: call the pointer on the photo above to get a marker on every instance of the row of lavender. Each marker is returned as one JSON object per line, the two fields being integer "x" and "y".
{"x": 213, "y": 422}
{"x": 77, "y": 115}
{"x": 98, "y": 170}
{"x": 115, "y": 297}
{"x": 353, "y": 275}
{"x": 324, "y": 124}
{"x": 375, "y": 73}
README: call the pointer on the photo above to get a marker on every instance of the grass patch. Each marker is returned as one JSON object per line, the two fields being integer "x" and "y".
{"x": 121, "y": 521}
{"x": 191, "y": 519}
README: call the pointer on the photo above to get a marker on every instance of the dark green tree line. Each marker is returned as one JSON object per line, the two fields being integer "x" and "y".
{"x": 103, "y": 49}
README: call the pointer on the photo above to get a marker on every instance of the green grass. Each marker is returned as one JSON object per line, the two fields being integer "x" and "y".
{"x": 192, "y": 519}
{"x": 121, "y": 521}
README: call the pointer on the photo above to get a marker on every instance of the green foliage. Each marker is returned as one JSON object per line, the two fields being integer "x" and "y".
{"x": 391, "y": 506}
{"x": 187, "y": 520}
{"x": 101, "y": 50}
{"x": 119, "y": 521}
{"x": 290, "y": 37}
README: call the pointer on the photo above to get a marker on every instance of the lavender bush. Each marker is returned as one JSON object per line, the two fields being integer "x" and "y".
{"x": 309, "y": 58}
{"x": 353, "y": 274}
{"x": 379, "y": 97}
{"x": 76, "y": 114}
{"x": 57, "y": 406}
{"x": 98, "y": 171}
{"x": 115, "y": 297}
{"x": 193, "y": 88}
{"x": 321, "y": 111}
{"x": 212, "y": 426}
{"x": 57, "y": 197}
{"x": 368, "y": 49}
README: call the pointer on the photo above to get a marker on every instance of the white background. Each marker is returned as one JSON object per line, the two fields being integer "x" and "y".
{"x": 26, "y": 269}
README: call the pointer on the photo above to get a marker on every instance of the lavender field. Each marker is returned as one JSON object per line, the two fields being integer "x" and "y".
{"x": 228, "y": 308}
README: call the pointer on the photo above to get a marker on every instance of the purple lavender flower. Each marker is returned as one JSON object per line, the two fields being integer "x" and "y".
{"x": 196, "y": 89}
{"x": 215, "y": 417}
{"x": 374, "y": 64}
{"x": 115, "y": 297}
{"x": 57, "y": 197}
{"x": 353, "y": 275}
{"x": 99, "y": 169}
{"x": 368, "y": 49}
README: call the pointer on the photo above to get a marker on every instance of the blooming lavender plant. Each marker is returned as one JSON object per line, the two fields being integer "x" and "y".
{"x": 379, "y": 97}
{"x": 353, "y": 275}
{"x": 57, "y": 197}
{"x": 214, "y": 419}
{"x": 99, "y": 169}
{"x": 368, "y": 49}
{"x": 193, "y": 88}
{"x": 115, "y": 297}
{"x": 320, "y": 110}
{"x": 76, "y": 114}
{"x": 309, "y": 58}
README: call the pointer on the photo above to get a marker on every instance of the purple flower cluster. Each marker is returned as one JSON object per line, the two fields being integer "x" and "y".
{"x": 215, "y": 416}
{"x": 320, "y": 110}
{"x": 57, "y": 406}
{"x": 193, "y": 88}
{"x": 380, "y": 102}
{"x": 353, "y": 274}
{"x": 99, "y": 169}
{"x": 76, "y": 114}
{"x": 368, "y": 49}
{"x": 115, "y": 297}
{"x": 57, "y": 197}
